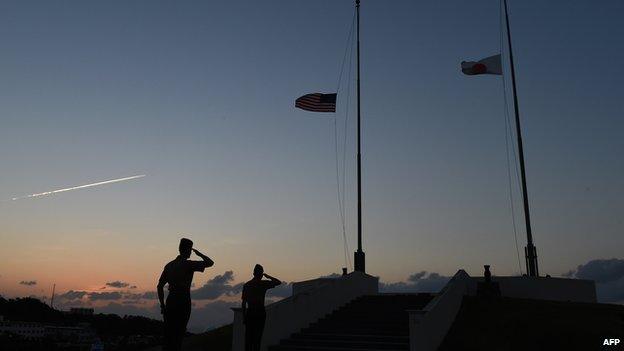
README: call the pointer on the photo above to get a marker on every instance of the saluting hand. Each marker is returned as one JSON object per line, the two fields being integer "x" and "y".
{"x": 273, "y": 279}
{"x": 209, "y": 262}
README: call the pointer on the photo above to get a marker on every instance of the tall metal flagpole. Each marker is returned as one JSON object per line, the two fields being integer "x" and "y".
{"x": 359, "y": 254}
{"x": 530, "y": 252}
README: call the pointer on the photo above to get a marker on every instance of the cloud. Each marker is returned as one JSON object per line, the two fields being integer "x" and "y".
{"x": 105, "y": 296}
{"x": 216, "y": 287}
{"x": 209, "y": 309}
{"x": 608, "y": 275}
{"x": 67, "y": 304}
{"x": 602, "y": 271}
{"x": 28, "y": 282}
{"x": 118, "y": 284}
{"x": 133, "y": 297}
{"x": 418, "y": 275}
{"x": 73, "y": 295}
{"x": 133, "y": 302}
{"x": 569, "y": 274}
{"x": 225, "y": 278}
{"x": 417, "y": 282}
{"x": 148, "y": 295}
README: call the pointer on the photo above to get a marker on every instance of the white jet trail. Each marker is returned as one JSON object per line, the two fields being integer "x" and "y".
{"x": 78, "y": 187}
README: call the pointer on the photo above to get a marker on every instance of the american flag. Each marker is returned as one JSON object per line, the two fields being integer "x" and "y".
{"x": 317, "y": 102}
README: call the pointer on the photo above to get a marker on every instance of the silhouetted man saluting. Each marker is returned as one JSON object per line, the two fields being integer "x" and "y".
{"x": 179, "y": 274}
{"x": 253, "y": 307}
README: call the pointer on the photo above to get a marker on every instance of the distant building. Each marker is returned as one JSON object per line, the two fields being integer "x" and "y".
{"x": 78, "y": 335}
{"x": 142, "y": 340}
{"x": 27, "y": 330}
{"x": 82, "y": 311}
{"x": 74, "y": 335}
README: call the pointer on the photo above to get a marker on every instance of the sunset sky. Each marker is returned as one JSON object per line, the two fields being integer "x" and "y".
{"x": 199, "y": 97}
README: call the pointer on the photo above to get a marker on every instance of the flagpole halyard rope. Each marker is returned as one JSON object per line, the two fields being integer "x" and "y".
{"x": 344, "y": 56}
{"x": 341, "y": 191}
{"x": 344, "y": 143}
{"x": 513, "y": 150}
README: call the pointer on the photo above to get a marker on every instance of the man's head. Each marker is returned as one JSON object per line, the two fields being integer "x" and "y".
{"x": 258, "y": 271}
{"x": 185, "y": 247}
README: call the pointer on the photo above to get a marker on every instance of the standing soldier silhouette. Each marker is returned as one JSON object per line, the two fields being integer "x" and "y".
{"x": 179, "y": 274}
{"x": 254, "y": 314}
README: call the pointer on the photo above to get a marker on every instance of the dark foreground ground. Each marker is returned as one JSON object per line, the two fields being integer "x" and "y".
{"x": 481, "y": 324}
{"x": 522, "y": 324}
{"x": 219, "y": 339}
{"x": 502, "y": 324}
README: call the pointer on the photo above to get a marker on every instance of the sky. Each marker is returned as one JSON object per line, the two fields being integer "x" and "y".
{"x": 199, "y": 97}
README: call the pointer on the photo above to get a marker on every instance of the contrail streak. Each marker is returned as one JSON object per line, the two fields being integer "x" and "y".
{"x": 78, "y": 187}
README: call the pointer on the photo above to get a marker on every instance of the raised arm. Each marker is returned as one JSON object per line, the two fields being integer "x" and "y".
{"x": 207, "y": 261}
{"x": 273, "y": 280}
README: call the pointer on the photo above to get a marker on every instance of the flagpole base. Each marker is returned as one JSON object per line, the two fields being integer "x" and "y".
{"x": 530, "y": 253}
{"x": 359, "y": 260}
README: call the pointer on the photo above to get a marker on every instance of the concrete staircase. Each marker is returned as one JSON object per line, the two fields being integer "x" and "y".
{"x": 371, "y": 322}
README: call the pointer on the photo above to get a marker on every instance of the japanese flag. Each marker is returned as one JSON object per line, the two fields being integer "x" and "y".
{"x": 489, "y": 65}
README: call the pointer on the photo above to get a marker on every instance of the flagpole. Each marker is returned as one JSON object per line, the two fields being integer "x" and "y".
{"x": 359, "y": 257}
{"x": 530, "y": 251}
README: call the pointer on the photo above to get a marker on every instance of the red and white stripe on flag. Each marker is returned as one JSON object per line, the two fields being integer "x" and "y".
{"x": 317, "y": 102}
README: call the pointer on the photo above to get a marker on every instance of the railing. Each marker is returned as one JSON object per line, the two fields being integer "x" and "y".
{"x": 428, "y": 327}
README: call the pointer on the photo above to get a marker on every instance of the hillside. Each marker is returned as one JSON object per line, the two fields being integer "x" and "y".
{"x": 112, "y": 329}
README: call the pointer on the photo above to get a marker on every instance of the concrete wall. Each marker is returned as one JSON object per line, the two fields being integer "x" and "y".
{"x": 306, "y": 285}
{"x": 313, "y": 300}
{"x": 429, "y": 326}
{"x": 543, "y": 288}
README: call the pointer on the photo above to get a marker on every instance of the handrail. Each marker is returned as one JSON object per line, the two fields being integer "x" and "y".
{"x": 429, "y": 326}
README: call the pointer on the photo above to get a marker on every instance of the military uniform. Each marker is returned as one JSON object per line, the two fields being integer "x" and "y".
{"x": 179, "y": 275}
{"x": 254, "y": 292}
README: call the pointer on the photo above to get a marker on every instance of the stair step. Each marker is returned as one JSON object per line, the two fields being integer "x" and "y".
{"x": 361, "y": 325}
{"x": 359, "y": 331}
{"x": 354, "y": 344}
{"x": 363, "y": 316}
{"x": 403, "y": 320}
{"x": 319, "y": 348}
{"x": 344, "y": 336}
{"x": 368, "y": 323}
